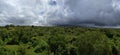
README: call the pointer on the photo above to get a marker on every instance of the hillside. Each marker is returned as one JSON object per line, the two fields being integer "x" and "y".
{"x": 34, "y": 40}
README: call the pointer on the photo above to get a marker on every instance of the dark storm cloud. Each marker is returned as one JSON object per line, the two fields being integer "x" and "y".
{"x": 93, "y": 13}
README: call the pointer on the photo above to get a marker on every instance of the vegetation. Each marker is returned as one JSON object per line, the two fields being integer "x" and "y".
{"x": 33, "y": 40}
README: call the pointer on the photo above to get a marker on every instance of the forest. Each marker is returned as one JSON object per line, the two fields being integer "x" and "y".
{"x": 60, "y": 40}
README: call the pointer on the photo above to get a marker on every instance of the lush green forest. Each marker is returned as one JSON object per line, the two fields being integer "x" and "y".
{"x": 34, "y": 40}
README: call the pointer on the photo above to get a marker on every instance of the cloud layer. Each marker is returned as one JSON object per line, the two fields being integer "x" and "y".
{"x": 60, "y": 12}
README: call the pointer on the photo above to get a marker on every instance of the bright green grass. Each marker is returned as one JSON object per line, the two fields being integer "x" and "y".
{"x": 16, "y": 48}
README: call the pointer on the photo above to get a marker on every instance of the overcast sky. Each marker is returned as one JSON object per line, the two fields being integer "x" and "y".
{"x": 60, "y": 12}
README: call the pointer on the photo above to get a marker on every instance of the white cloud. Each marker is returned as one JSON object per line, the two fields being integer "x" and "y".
{"x": 60, "y": 12}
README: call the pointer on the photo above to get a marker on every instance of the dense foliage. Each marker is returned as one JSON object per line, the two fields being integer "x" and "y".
{"x": 31, "y": 40}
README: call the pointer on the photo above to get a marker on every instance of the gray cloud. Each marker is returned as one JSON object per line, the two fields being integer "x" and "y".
{"x": 60, "y": 12}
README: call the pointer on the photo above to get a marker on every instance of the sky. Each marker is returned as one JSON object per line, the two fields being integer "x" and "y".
{"x": 92, "y": 13}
